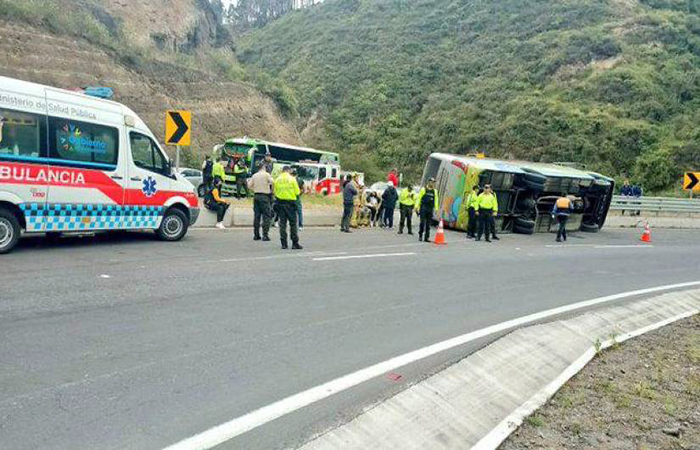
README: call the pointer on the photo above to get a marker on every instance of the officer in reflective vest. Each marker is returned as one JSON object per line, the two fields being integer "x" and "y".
{"x": 426, "y": 206}
{"x": 286, "y": 190}
{"x": 560, "y": 212}
{"x": 487, "y": 208}
{"x": 240, "y": 171}
{"x": 407, "y": 201}
{"x": 471, "y": 205}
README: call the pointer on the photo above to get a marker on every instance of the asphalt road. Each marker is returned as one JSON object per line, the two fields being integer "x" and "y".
{"x": 129, "y": 343}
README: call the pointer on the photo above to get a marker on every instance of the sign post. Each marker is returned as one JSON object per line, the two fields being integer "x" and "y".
{"x": 691, "y": 182}
{"x": 178, "y": 131}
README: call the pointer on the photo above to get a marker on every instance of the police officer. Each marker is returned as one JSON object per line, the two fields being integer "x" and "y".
{"x": 261, "y": 185}
{"x": 407, "y": 201}
{"x": 562, "y": 209}
{"x": 286, "y": 192}
{"x": 426, "y": 205}
{"x": 207, "y": 168}
{"x": 471, "y": 204}
{"x": 240, "y": 171}
{"x": 487, "y": 208}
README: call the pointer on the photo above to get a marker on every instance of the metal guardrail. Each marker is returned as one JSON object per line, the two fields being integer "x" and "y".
{"x": 655, "y": 204}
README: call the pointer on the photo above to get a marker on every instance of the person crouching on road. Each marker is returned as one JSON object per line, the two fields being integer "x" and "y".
{"x": 286, "y": 191}
{"x": 471, "y": 204}
{"x": 349, "y": 193}
{"x": 407, "y": 201}
{"x": 426, "y": 206}
{"x": 261, "y": 185}
{"x": 487, "y": 208}
{"x": 214, "y": 202}
{"x": 561, "y": 211}
{"x": 373, "y": 203}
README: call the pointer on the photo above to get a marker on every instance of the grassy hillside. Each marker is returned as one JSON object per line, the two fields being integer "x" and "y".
{"x": 613, "y": 84}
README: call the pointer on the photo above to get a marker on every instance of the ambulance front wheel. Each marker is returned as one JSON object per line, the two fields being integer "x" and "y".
{"x": 174, "y": 225}
{"x": 10, "y": 230}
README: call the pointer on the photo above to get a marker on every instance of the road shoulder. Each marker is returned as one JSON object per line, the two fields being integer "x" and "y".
{"x": 479, "y": 401}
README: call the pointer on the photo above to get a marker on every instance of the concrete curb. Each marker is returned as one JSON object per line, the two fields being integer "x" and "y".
{"x": 479, "y": 401}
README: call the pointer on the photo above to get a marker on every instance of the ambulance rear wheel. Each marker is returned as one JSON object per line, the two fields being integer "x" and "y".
{"x": 10, "y": 231}
{"x": 174, "y": 225}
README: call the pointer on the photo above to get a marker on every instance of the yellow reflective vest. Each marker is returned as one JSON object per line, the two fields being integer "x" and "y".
{"x": 286, "y": 187}
{"x": 407, "y": 197}
{"x": 487, "y": 201}
{"x": 217, "y": 170}
{"x": 472, "y": 200}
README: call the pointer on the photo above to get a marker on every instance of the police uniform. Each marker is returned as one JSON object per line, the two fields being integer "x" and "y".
{"x": 286, "y": 192}
{"x": 426, "y": 205}
{"x": 407, "y": 201}
{"x": 471, "y": 203}
{"x": 487, "y": 208}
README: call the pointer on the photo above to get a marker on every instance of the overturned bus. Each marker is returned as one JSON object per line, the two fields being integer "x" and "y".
{"x": 526, "y": 192}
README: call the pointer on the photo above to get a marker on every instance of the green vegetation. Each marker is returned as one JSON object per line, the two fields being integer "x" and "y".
{"x": 611, "y": 84}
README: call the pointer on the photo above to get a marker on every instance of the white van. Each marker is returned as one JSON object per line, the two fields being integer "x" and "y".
{"x": 74, "y": 163}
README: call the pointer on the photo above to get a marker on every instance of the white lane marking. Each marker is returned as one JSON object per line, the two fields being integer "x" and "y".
{"x": 499, "y": 434}
{"x": 625, "y": 246}
{"x": 254, "y": 419}
{"x": 104, "y": 276}
{"x": 600, "y": 246}
{"x": 279, "y": 256}
{"x": 374, "y": 255}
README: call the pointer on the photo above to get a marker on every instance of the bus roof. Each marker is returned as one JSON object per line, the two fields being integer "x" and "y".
{"x": 252, "y": 141}
{"x": 496, "y": 165}
{"x": 514, "y": 166}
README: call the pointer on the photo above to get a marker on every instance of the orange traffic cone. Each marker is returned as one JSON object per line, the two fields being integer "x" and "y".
{"x": 646, "y": 236}
{"x": 440, "y": 236}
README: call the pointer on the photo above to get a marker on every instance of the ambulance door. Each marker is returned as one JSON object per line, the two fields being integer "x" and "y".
{"x": 149, "y": 181}
{"x": 23, "y": 155}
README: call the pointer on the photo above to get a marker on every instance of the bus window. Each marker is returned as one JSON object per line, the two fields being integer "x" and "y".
{"x": 335, "y": 173}
{"x": 322, "y": 173}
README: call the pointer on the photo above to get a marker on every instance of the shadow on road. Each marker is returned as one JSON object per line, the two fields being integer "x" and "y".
{"x": 42, "y": 243}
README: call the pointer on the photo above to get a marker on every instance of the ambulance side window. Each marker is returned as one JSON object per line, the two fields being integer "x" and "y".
{"x": 146, "y": 154}
{"x": 22, "y": 135}
{"x": 82, "y": 142}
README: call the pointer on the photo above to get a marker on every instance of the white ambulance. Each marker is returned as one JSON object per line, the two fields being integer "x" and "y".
{"x": 74, "y": 163}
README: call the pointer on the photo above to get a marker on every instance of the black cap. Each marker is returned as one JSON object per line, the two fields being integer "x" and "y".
{"x": 286, "y": 169}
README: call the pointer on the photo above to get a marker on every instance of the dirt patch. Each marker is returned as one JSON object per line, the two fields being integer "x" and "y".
{"x": 644, "y": 394}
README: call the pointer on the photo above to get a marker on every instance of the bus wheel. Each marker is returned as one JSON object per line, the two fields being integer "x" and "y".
{"x": 9, "y": 231}
{"x": 174, "y": 225}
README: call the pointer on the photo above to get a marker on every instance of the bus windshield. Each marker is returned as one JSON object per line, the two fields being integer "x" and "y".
{"x": 236, "y": 150}
{"x": 307, "y": 173}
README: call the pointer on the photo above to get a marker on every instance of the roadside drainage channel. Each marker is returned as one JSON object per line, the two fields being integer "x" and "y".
{"x": 479, "y": 401}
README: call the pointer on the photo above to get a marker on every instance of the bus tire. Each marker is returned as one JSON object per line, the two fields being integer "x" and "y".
{"x": 525, "y": 224}
{"x": 590, "y": 227}
{"x": 174, "y": 225}
{"x": 523, "y": 230}
{"x": 10, "y": 230}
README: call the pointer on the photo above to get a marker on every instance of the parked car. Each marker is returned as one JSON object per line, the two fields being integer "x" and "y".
{"x": 194, "y": 176}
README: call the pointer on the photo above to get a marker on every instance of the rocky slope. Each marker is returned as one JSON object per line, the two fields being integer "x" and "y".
{"x": 156, "y": 81}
